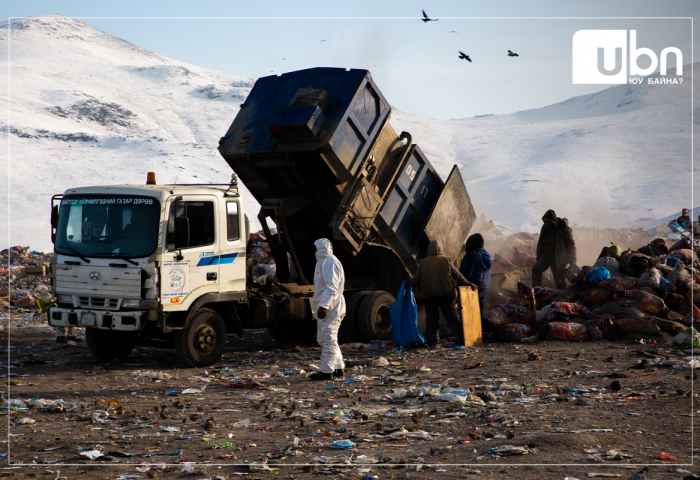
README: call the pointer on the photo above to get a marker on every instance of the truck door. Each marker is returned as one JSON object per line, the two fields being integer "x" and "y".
{"x": 232, "y": 241}
{"x": 197, "y": 272}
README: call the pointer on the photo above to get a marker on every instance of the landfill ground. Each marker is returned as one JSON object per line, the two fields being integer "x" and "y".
{"x": 560, "y": 409}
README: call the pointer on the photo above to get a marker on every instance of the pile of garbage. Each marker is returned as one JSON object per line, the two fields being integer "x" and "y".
{"x": 261, "y": 262}
{"x": 649, "y": 292}
{"x": 24, "y": 283}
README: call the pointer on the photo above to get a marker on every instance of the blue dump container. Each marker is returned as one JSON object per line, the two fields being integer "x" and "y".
{"x": 315, "y": 148}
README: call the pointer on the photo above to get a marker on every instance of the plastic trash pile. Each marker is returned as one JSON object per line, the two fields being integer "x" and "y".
{"x": 626, "y": 294}
{"x": 22, "y": 282}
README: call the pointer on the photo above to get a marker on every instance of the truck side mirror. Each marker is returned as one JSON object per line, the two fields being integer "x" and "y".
{"x": 182, "y": 232}
{"x": 54, "y": 223}
{"x": 54, "y": 216}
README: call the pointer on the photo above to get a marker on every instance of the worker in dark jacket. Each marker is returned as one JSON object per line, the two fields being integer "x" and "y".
{"x": 476, "y": 266}
{"x": 436, "y": 276}
{"x": 555, "y": 249}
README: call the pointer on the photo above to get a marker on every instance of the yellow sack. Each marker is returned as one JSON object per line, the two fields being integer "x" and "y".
{"x": 44, "y": 305}
{"x": 615, "y": 251}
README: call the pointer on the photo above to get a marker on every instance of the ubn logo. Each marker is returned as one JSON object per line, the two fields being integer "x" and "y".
{"x": 600, "y": 57}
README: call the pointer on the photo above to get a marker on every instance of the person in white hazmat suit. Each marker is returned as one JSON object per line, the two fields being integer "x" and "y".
{"x": 329, "y": 309}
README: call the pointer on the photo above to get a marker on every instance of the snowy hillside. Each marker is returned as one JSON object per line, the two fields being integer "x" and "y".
{"x": 90, "y": 109}
{"x": 619, "y": 157}
{"x": 87, "y": 108}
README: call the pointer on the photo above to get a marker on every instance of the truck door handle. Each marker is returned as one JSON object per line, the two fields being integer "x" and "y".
{"x": 211, "y": 275}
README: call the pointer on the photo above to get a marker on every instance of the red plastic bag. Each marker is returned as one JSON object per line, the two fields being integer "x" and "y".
{"x": 526, "y": 305}
{"x": 495, "y": 318}
{"x": 666, "y": 457}
{"x": 543, "y": 296}
{"x": 522, "y": 259}
{"x": 690, "y": 312}
{"x": 648, "y": 303}
{"x": 514, "y": 332}
{"x": 563, "y": 308}
{"x": 685, "y": 285}
{"x": 571, "y": 332}
{"x": 510, "y": 310}
{"x": 595, "y": 296}
{"x": 581, "y": 277}
{"x": 672, "y": 300}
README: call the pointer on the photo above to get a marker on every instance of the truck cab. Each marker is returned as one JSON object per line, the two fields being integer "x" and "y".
{"x": 137, "y": 263}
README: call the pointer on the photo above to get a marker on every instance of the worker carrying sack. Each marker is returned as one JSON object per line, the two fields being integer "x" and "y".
{"x": 404, "y": 319}
{"x": 436, "y": 278}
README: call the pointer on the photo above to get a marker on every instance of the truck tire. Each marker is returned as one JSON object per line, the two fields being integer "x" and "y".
{"x": 108, "y": 344}
{"x": 373, "y": 319}
{"x": 201, "y": 343}
{"x": 349, "y": 331}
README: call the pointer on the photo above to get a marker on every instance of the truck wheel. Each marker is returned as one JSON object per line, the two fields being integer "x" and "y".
{"x": 201, "y": 343}
{"x": 108, "y": 344}
{"x": 373, "y": 319}
{"x": 349, "y": 332}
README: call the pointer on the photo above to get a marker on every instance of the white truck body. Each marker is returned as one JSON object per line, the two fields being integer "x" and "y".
{"x": 116, "y": 265}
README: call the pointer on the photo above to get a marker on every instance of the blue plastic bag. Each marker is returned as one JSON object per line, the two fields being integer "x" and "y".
{"x": 404, "y": 319}
{"x": 597, "y": 275}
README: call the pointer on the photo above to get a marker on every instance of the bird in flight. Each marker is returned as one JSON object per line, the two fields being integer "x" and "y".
{"x": 426, "y": 18}
{"x": 512, "y": 54}
{"x": 324, "y": 40}
{"x": 464, "y": 56}
{"x": 452, "y": 31}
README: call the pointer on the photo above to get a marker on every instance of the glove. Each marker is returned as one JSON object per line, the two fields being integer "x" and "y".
{"x": 322, "y": 313}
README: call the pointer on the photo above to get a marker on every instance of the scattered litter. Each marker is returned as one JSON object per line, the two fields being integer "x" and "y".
{"x": 343, "y": 445}
{"x": 92, "y": 454}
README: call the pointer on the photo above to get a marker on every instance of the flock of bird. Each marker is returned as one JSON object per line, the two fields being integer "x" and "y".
{"x": 462, "y": 55}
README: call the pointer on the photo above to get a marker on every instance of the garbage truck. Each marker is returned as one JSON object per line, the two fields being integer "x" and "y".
{"x": 168, "y": 265}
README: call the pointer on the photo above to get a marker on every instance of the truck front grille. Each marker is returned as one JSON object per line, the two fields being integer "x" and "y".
{"x": 99, "y": 302}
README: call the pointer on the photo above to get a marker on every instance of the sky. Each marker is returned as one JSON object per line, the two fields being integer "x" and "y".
{"x": 415, "y": 64}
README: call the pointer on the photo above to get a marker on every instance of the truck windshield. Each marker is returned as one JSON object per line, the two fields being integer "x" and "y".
{"x": 106, "y": 226}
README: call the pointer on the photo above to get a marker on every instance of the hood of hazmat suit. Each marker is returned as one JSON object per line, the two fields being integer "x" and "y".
{"x": 329, "y": 283}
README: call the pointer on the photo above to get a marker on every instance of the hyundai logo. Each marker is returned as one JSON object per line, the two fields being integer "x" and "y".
{"x": 95, "y": 275}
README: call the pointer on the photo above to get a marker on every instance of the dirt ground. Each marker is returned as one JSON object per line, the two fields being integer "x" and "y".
{"x": 560, "y": 409}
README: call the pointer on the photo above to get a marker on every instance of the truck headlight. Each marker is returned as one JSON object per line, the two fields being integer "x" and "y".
{"x": 65, "y": 299}
{"x": 147, "y": 304}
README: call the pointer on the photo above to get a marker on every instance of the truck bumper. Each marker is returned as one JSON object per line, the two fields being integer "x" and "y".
{"x": 102, "y": 319}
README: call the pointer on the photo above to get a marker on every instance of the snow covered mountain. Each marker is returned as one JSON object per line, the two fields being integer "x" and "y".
{"x": 620, "y": 157}
{"x": 86, "y": 108}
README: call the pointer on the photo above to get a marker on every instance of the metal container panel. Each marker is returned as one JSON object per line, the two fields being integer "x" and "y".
{"x": 354, "y": 115}
{"x": 408, "y": 206}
